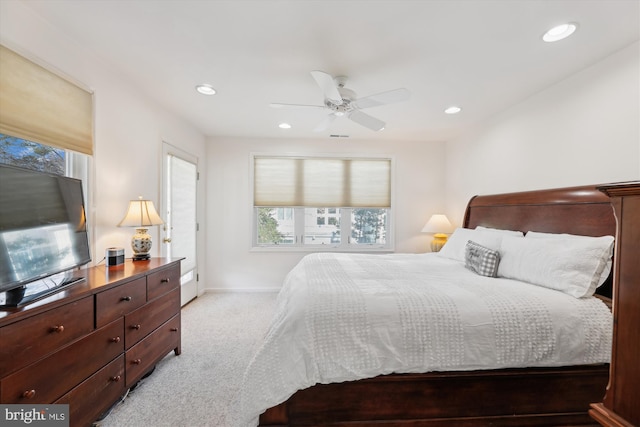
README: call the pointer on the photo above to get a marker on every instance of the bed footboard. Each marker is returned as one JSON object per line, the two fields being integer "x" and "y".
{"x": 511, "y": 397}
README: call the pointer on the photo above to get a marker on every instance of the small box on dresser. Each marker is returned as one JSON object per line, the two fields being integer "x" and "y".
{"x": 86, "y": 345}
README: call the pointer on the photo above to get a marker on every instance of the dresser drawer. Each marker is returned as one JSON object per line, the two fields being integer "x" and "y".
{"x": 144, "y": 320}
{"x": 163, "y": 281}
{"x": 120, "y": 300}
{"x": 142, "y": 356}
{"x": 47, "y": 380}
{"x": 95, "y": 395}
{"x": 30, "y": 339}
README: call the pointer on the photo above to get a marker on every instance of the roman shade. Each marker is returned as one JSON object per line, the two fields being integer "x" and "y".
{"x": 40, "y": 106}
{"x": 322, "y": 182}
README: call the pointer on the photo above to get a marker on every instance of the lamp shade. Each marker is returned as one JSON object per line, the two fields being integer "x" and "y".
{"x": 438, "y": 223}
{"x": 141, "y": 213}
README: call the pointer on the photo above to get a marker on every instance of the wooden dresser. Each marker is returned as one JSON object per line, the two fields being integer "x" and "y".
{"x": 621, "y": 405}
{"x": 86, "y": 345}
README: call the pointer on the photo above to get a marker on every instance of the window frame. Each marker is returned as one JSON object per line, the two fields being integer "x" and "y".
{"x": 345, "y": 216}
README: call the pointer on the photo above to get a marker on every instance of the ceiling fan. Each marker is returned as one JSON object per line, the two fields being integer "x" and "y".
{"x": 342, "y": 102}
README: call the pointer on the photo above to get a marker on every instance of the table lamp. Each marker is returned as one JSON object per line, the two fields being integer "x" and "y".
{"x": 141, "y": 214}
{"x": 439, "y": 225}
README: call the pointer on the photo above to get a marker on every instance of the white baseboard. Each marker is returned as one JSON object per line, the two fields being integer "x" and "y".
{"x": 240, "y": 290}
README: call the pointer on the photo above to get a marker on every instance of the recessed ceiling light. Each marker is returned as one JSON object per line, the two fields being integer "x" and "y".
{"x": 284, "y": 126}
{"x": 453, "y": 110}
{"x": 559, "y": 32}
{"x": 206, "y": 89}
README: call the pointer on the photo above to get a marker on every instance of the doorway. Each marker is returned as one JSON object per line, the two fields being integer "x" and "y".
{"x": 179, "y": 205}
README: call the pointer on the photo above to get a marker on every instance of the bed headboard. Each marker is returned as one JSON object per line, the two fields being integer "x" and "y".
{"x": 575, "y": 210}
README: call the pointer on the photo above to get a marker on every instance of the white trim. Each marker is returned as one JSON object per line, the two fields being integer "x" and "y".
{"x": 239, "y": 290}
{"x": 323, "y": 248}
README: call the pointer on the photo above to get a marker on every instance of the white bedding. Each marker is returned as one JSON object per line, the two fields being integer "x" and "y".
{"x": 343, "y": 317}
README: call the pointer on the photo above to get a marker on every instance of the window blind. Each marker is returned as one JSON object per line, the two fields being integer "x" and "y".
{"x": 40, "y": 106}
{"x": 182, "y": 208}
{"x": 325, "y": 182}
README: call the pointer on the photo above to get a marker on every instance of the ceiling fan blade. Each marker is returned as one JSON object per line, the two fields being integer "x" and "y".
{"x": 328, "y": 86}
{"x": 366, "y": 120}
{"x": 325, "y": 123}
{"x": 397, "y": 95}
{"x": 277, "y": 105}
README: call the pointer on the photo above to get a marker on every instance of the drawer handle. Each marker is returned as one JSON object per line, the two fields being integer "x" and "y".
{"x": 174, "y": 329}
{"x": 115, "y": 339}
{"x": 58, "y": 328}
{"x": 29, "y": 394}
{"x": 165, "y": 280}
{"x": 116, "y": 378}
{"x": 126, "y": 299}
{"x": 137, "y": 361}
{"x": 136, "y": 327}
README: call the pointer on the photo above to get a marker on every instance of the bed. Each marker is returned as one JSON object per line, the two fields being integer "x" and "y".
{"x": 329, "y": 368}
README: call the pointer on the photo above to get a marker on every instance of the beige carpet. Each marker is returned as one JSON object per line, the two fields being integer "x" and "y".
{"x": 200, "y": 387}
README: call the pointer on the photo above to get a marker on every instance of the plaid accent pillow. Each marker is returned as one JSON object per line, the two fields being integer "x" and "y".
{"x": 481, "y": 260}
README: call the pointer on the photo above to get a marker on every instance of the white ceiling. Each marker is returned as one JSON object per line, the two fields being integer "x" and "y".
{"x": 483, "y": 55}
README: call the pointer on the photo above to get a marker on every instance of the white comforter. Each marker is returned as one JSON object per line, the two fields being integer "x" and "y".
{"x": 342, "y": 317}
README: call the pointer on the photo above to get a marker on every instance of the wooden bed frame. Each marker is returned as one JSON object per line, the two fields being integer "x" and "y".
{"x": 506, "y": 397}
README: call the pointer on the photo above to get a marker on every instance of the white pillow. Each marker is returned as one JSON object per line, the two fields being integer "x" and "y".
{"x": 540, "y": 235}
{"x": 499, "y": 230}
{"x": 455, "y": 246}
{"x": 569, "y": 265}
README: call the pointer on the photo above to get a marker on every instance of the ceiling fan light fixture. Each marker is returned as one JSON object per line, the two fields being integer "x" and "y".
{"x": 560, "y": 32}
{"x": 342, "y": 102}
{"x": 206, "y": 89}
{"x": 453, "y": 110}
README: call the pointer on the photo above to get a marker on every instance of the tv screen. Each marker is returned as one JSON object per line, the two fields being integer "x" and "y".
{"x": 43, "y": 228}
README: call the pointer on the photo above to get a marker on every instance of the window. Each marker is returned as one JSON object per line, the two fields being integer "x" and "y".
{"x": 31, "y": 155}
{"x": 322, "y": 203}
{"x": 275, "y": 226}
{"x": 368, "y": 226}
{"x": 35, "y": 156}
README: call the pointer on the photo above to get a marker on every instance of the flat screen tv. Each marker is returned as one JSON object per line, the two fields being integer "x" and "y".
{"x": 43, "y": 234}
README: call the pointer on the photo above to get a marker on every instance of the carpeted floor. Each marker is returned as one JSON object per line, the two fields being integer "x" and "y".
{"x": 198, "y": 388}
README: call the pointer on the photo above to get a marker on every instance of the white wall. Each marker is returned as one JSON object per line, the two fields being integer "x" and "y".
{"x": 231, "y": 265}
{"x": 582, "y": 130}
{"x": 129, "y": 127}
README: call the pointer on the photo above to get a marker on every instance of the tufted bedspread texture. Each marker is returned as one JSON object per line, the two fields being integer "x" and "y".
{"x": 343, "y": 317}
